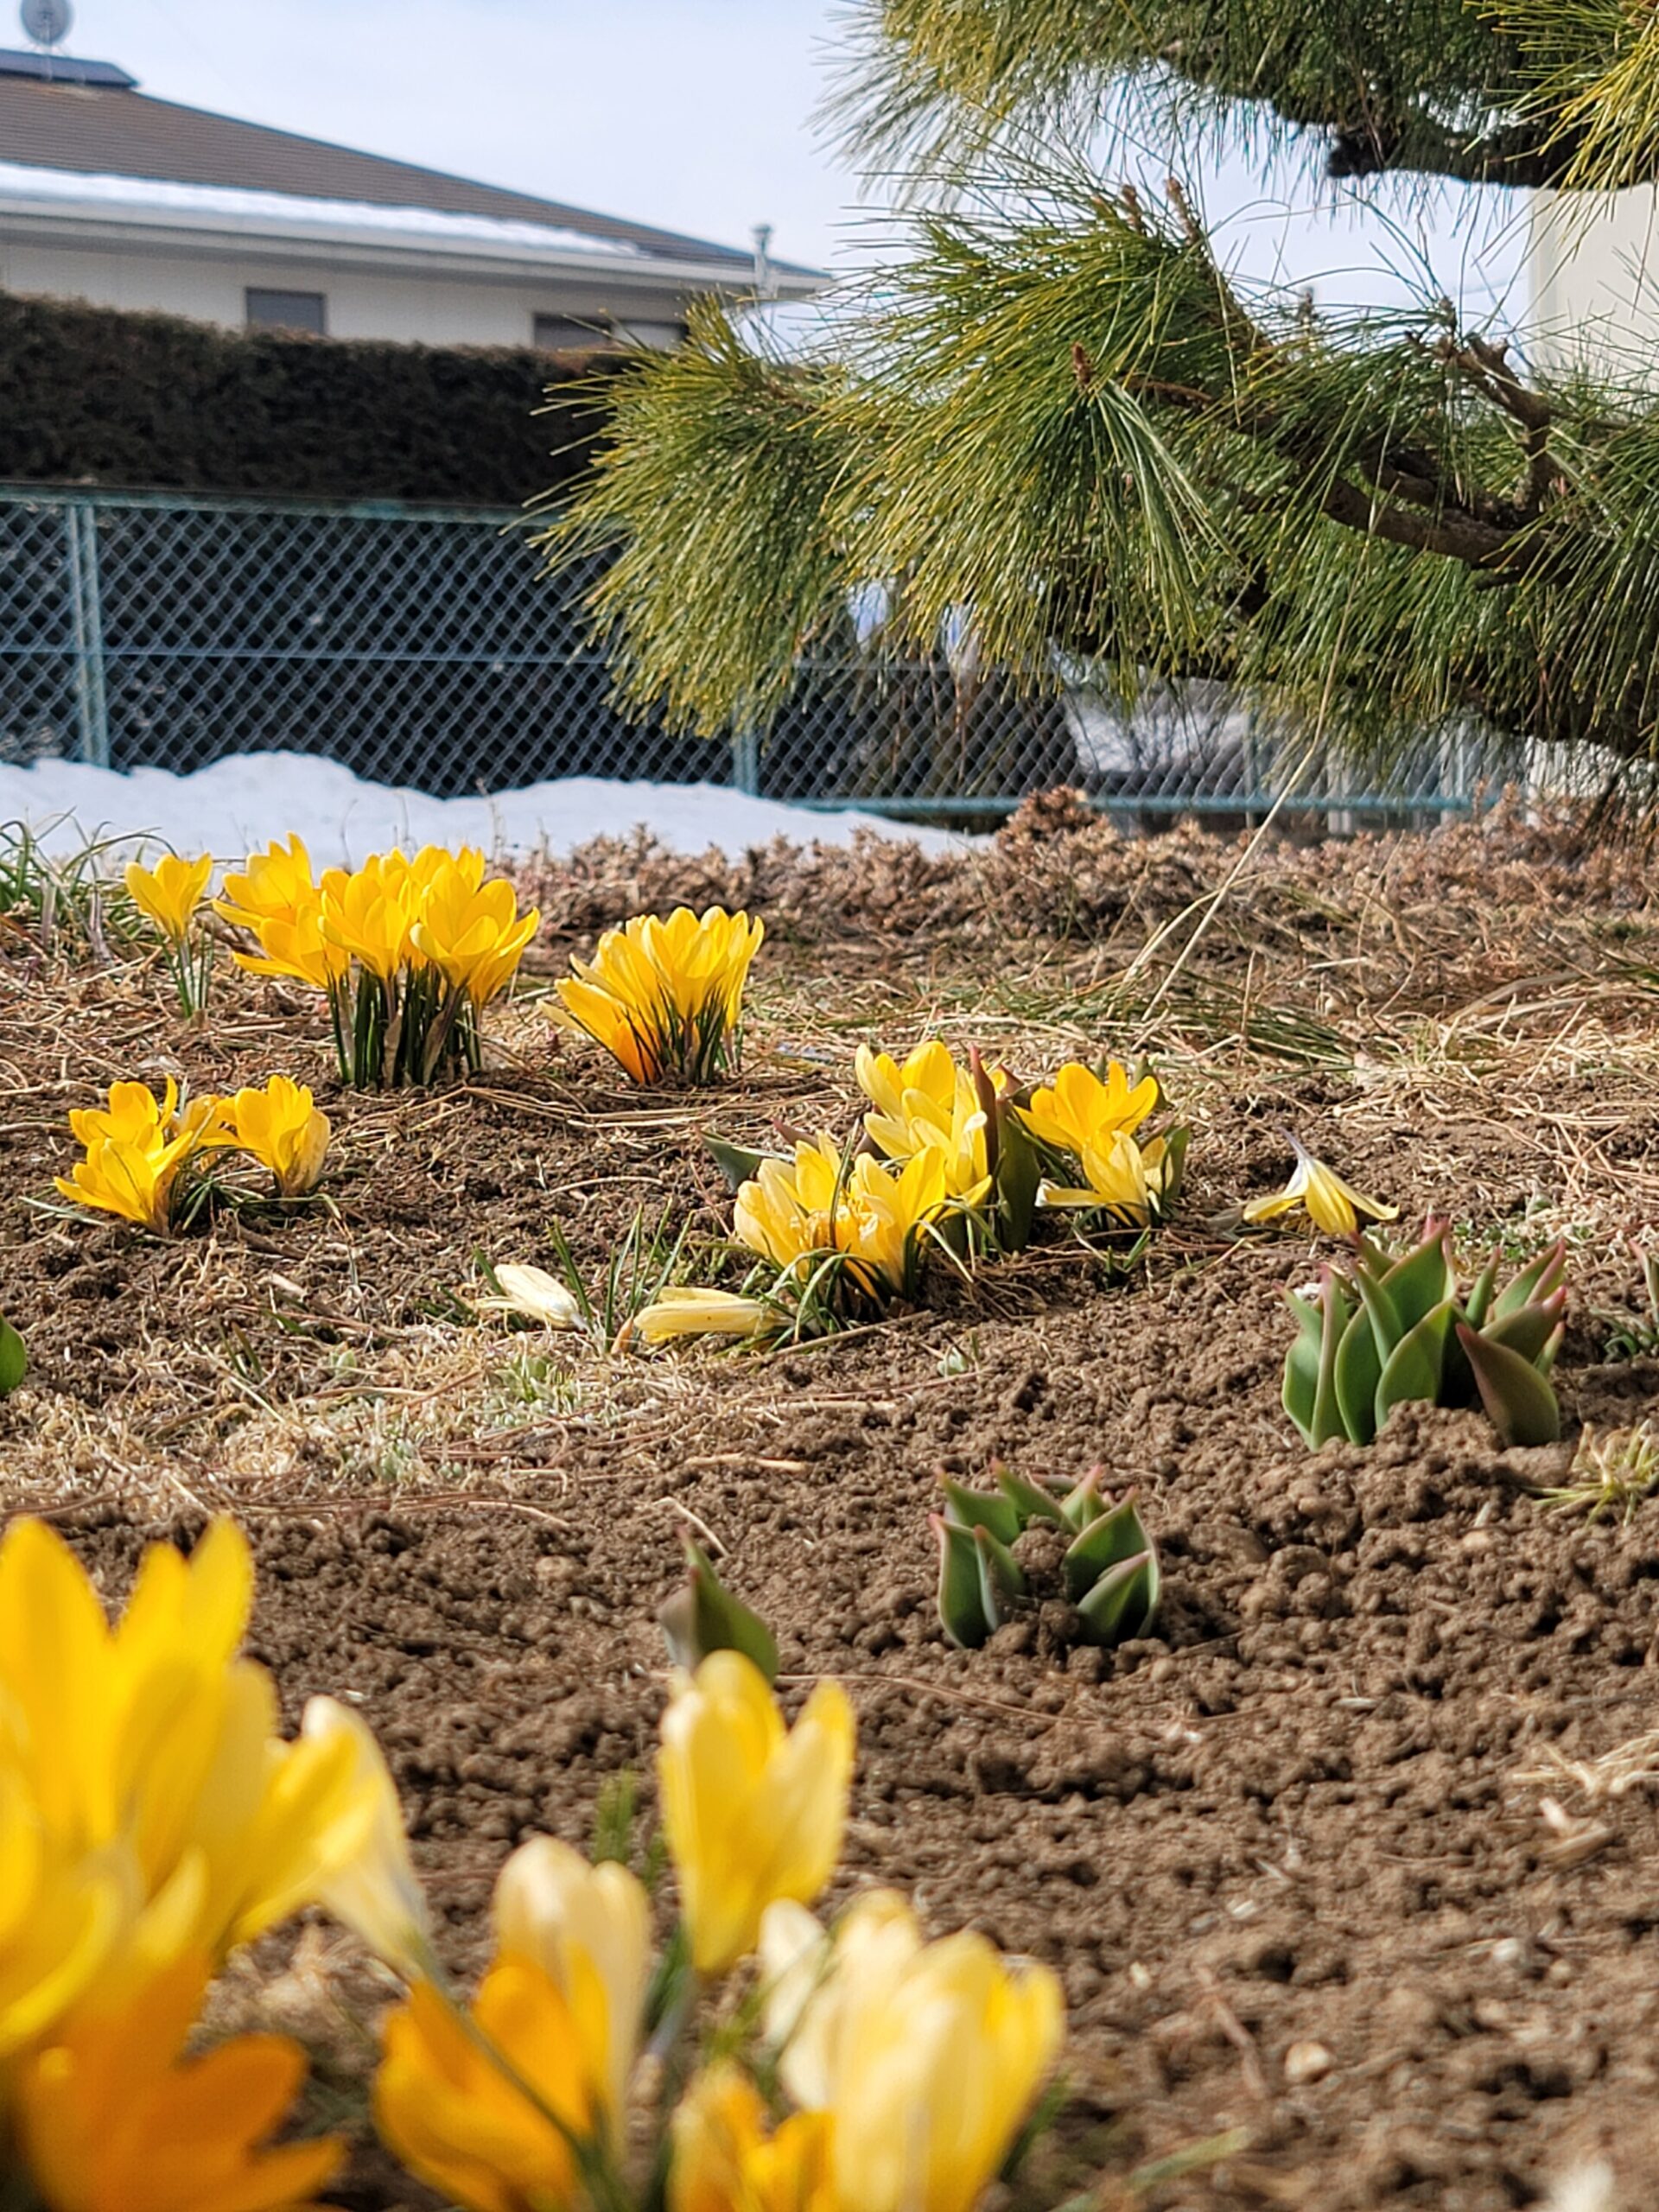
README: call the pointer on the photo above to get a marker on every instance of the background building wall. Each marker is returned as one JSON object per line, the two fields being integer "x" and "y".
{"x": 1594, "y": 271}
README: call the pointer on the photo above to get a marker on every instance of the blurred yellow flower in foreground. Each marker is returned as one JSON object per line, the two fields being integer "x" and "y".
{"x": 926, "y": 2057}
{"x": 458, "y": 2120}
{"x": 147, "y": 1754}
{"x": 111, "y": 2119}
{"x": 665, "y": 997}
{"x": 587, "y": 1928}
{"x": 281, "y": 1128}
{"x": 1333, "y": 1206}
{"x": 363, "y": 1872}
{"x": 724, "y": 2160}
{"x": 170, "y": 892}
{"x": 752, "y": 1812}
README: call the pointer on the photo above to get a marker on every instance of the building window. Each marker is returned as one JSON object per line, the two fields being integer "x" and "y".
{"x": 306, "y": 311}
{"x": 573, "y": 333}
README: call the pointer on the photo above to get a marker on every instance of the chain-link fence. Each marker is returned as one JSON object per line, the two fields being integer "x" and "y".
{"x": 421, "y": 647}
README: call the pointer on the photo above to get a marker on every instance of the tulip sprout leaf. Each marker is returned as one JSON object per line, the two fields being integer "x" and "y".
{"x": 736, "y": 1162}
{"x": 1384, "y": 1331}
{"x": 704, "y": 1617}
{"x": 13, "y": 1358}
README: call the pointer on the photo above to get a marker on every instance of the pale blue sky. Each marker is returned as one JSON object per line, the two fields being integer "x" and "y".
{"x": 695, "y": 114}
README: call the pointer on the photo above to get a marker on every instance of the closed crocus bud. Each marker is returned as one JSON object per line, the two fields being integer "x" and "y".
{"x": 752, "y": 1811}
{"x": 806, "y": 1974}
{"x": 588, "y": 1929}
{"x": 367, "y": 1881}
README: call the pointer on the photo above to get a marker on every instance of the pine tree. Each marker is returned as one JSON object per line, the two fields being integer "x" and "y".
{"x": 1058, "y": 412}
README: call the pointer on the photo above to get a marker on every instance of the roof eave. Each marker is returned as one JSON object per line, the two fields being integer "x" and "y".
{"x": 94, "y": 223}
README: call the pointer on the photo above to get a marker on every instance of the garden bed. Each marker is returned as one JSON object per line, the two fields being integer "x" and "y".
{"x": 1347, "y": 1854}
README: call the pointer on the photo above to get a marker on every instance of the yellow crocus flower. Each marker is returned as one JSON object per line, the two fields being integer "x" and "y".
{"x": 153, "y": 1742}
{"x": 281, "y": 1128}
{"x": 874, "y": 1213}
{"x": 1079, "y": 1110}
{"x": 665, "y": 997}
{"x": 369, "y": 913}
{"x": 581, "y": 1925}
{"x": 462, "y": 2123}
{"x": 60, "y": 1918}
{"x": 137, "y": 1181}
{"x": 1121, "y": 1176}
{"x": 110, "y": 2119}
{"x": 752, "y": 1812}
{"x": 926, "y": 1103}
{"x": 170, "y": 892}
{"x": 473, "y": 933}
{"x": 926, "y": 2058}
{"x": 278, "y": 885}
{"x": 725, "y": 2160}
{"x": 361, "y": 1869}
{"x": 1333, "y": 1206}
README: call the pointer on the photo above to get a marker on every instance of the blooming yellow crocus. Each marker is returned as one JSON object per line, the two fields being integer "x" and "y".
{"x": 725, "y": 2160}
{"x": 665, "y": 997}
{"x": 927, "y": 1102}
{"x": 110, "y": 2119}
{"x": 170, "y": 892}
{"x": 683, "y": 1310}
{"x": 471, "y": 932}
{"x": 1079, "y": 1110}
{"x": 587, "y": 1928}
{"x": 281, "y": 1128}
{"x": 1333, "y": 1206}
{"x": 793, "y": 1211}
{"x": 278, "y": 885}
{"x": 1121, "y": 1176}
{"x": 752, "y": 1812}
{"x": 463, "y": 2122}
{"x": 925, "y": 2056}
{"x": 136, "y": 1151}
{"x": 369, "y": 913}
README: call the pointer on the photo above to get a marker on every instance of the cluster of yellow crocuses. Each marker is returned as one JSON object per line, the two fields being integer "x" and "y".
{"x": 151, "y": 1819}
{"x": 408, "y": 951}
{"x": 664, "y": 996}
{"x": 138, "y": 1150}
{"x": 950, "y": 1157}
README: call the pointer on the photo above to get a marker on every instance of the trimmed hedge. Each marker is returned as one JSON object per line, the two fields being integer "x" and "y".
{"x": 150, "y": 402}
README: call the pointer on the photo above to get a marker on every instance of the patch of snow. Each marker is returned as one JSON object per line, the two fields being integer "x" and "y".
{"x": 241, "y": 802}
{"x": 233, "y": 206}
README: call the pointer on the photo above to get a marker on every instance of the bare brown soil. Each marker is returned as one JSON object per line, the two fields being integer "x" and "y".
{"x": 1329, "y": 1858}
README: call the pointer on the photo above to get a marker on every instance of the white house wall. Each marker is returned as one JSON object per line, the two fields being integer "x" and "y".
{"x": 413, "y": 308}
{"x": 1595, "y": 280}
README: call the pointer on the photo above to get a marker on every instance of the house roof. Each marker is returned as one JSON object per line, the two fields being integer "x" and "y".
{"x": 90, "y": 119}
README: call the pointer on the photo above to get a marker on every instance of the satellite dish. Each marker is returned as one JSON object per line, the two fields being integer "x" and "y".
{"x": 48, "y": 22}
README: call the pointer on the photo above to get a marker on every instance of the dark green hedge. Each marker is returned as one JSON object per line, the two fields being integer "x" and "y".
{"x": 92, "y": 396}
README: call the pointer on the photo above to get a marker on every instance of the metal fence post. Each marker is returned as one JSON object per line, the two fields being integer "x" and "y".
{"x": 746, "y": 761}
{"x": 92, "y": 697}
